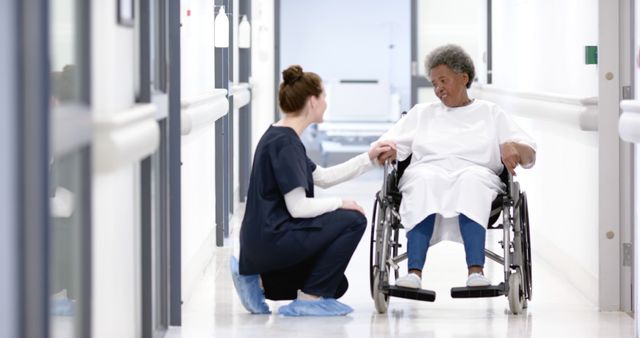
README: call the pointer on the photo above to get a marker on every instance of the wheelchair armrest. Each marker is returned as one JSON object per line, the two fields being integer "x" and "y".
{"x": 513, "y": 187}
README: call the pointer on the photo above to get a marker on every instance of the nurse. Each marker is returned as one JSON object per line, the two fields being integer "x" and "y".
{"x": 292, "y": 244}
{"x": 458, "y": 147}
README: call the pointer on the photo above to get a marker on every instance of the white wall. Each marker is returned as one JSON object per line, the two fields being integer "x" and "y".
{"x": 337, "y": 40}
{"x": 262, "y": 60}
{"x": 197, "y": 148}
{"x": 62, "y": 38}
{"x": 538, "y": 46}
{"x": 196, "y": 48}
{"x": 115, "y": 194}
{"x": 198, "y": 205}
{"x": 116, "y": 251}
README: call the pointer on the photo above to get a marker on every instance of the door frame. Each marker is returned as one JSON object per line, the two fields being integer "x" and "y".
{"x": 11, "y": 321}
{"x": 627, "y": 158}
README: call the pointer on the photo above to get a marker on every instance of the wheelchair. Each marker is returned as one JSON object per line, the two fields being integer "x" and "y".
{"x": 516, "y": 243}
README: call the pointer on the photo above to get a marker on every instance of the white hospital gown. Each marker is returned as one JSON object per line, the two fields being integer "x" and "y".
{"x": 455, "y": 163}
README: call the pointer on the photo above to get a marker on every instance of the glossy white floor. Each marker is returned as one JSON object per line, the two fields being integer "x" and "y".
{"x": 557, "y": 310}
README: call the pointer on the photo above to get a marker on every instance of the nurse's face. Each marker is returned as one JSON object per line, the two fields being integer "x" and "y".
{"x": 449, "y": 86}
{"x": 319, "y": 106}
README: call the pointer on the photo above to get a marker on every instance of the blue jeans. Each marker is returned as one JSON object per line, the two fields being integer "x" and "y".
{"x": 418, "y": 238}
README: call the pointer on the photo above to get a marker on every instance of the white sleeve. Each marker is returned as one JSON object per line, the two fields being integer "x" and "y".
{"x": 509, "y": 131}
{"x": 301, "y": 206}
{"x": 326, "y": 177}
{"x": 402, "y": 133}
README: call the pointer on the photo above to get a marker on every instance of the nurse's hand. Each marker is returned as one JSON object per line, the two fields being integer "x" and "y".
{"x": 382, "y": 151}
{"x": 510, "y": 156}
{"x": 352, "y": 205}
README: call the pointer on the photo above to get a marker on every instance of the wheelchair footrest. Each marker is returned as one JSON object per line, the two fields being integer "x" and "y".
{"x": 417, "y": 294}
{"x": 478, "y": 291}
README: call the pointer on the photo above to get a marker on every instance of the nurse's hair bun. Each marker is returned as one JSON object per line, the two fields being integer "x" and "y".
{"x": 292, "y": 74}
{"x": 296, "y": 88}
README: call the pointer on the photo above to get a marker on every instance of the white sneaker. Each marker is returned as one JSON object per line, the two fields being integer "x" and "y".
{"x": 477, "y": 279}
{"x": 410, "y": 280}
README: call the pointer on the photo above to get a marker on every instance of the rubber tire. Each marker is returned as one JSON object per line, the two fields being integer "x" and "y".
{"x": 526, "y": 244}
{"x": 516, "y": 293}
{"x": 380, "y": 299}
{"x": 372, "y": 247}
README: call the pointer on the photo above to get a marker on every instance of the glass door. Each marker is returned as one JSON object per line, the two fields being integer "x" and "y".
{"x": 154, "y": 174}
{"x": 69, "y": 170}
{"x": 435, "y": 23}
{"x": 9, "y": 249}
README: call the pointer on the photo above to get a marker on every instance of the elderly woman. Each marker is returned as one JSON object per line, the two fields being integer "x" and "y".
{"x": 459, "y": 146}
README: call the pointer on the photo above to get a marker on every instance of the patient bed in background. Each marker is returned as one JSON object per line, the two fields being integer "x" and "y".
{"x": 358, "y": 112}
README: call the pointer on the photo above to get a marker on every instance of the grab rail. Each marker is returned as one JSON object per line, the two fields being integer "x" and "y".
{"x": 580, "y": 112}
{"x": 629, "y": 123}
{"x": 125, "y": 137}
{"x": 202, "y": 110}
{"x": 241, "y": 95}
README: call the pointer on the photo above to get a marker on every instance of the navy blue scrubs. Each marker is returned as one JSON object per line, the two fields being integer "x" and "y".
{"x": 290, "y": 253}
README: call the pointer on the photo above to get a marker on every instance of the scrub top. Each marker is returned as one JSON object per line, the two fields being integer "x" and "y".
{"x": 270, "y": 238}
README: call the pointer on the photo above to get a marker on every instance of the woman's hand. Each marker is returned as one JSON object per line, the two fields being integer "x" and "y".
{"x": 510, "y": 156}
{"x": 514, "y": 154}
{"x": 352, "y": 205}
{"x": 382, "y": 151}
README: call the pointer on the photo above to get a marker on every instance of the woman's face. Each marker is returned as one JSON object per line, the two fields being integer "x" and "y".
{"x": 449, "y": 86}
{"x": 319, "y": 105}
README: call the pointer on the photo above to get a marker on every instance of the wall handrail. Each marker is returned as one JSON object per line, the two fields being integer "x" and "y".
{"x": 580, "y": 112}
{"x": 241, "y": 94}
{"x": 125, "y": 137}
{"x": 629, "y": 123}
{"x": 202, "y": 110}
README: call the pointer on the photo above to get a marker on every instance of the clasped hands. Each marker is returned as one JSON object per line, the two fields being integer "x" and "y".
{"x": 378, "y": 153}
{"x": 382, "y": 151}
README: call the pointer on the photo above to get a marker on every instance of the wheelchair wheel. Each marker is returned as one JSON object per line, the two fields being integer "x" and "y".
{"x": 372, "y": 248}
{"x": 526, "y": 245}
{"x": 516, "y": 292}
{"x": 521, "y": 256}
{"x": 379, "y": 254}
{"x": 380, "y": 299}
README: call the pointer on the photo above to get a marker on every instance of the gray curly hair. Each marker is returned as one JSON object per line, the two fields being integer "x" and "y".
{"x": 454, "y": 57}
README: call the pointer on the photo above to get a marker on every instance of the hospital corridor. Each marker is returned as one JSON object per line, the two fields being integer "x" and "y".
{"x": 319, "y": 168}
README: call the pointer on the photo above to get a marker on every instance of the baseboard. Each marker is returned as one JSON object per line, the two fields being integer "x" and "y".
{"x": 565, "y": 267}
{"x": 194, "y": 269}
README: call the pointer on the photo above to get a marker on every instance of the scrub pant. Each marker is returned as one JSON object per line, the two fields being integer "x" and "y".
{"x": 329, "y": 251}
{"x": 418, "y": 238}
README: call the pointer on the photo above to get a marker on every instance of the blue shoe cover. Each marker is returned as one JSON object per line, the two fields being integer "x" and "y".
{"x": 321, "y": 307}
{"x": 62, "y": 307}
{"x": 248, "y": 289}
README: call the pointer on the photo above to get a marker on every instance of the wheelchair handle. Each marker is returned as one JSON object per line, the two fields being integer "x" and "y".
{"x": 388, "y": 166}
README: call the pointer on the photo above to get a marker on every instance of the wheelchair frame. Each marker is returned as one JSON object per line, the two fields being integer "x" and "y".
{"x": 516, "y": 259}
